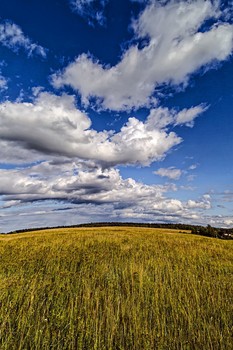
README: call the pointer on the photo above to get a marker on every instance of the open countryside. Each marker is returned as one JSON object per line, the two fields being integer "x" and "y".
{"x": 116, "y": 175}
{"x": 115, "y": 288}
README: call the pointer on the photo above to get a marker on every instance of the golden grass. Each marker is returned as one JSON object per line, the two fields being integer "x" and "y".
{"x": 115, "y": 288}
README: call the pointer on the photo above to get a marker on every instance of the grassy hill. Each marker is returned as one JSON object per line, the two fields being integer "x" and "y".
{"x": 115, "y": 288}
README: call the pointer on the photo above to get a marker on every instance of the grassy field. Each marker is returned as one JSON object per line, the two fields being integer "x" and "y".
{"x": 115, "y": 289}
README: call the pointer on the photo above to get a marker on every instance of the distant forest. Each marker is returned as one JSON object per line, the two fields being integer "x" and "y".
{"x": 208, "y": 231}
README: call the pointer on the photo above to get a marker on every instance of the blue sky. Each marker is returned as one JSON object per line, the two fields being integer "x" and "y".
{"x": 115, "y": 110}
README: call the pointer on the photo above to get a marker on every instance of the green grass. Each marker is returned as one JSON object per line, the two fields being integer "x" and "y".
{"x": 115, "y": 288}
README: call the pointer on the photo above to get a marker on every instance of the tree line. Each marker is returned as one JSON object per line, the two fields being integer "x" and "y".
{"x": 207, "y": 231}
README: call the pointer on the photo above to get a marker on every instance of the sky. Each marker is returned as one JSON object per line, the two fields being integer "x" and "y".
{"x": 116, "y": 110}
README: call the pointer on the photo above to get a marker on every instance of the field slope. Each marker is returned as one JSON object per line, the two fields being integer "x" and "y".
{"x": 115, "y": 288}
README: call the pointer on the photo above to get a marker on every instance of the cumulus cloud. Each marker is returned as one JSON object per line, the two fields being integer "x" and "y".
{"x": 205, "y": 203}
{"x": 74, "y": 183}
{"x": 74, "y": 164}
{"x": 52, "y": 125}
{"x": 91, "y": 10}
{"x": 12, "y": 36}
{"x": 177, "y": 46}
{"x": 172, "y": 173}
{"x": 84, "y": 191}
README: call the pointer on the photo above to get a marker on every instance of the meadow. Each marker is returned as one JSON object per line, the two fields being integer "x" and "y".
{"x": 118, "y": 288}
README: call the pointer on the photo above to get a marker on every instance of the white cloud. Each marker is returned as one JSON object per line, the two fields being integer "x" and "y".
{"x": 52, "y": 125}
{"x": 191, "y": 178}
{"x": 204, "y": 203}
{"x": 227, "y": 222}
{"x": 3, "y": 83}
{"x": 187, "y": 188}
{"x": 163, "y": 117}
{"x": 91, "y": 10}
{"x": 193, "y": 167}
{"x": 187, "y": 116}
{"x": 12, "y": 36}
{"x": 79, "y": 164}
{"x": 172, "y": 173}
{"x": 72, "y": 182}
{"x": 86, "y": 193}
{"x": 176, "y": 49}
